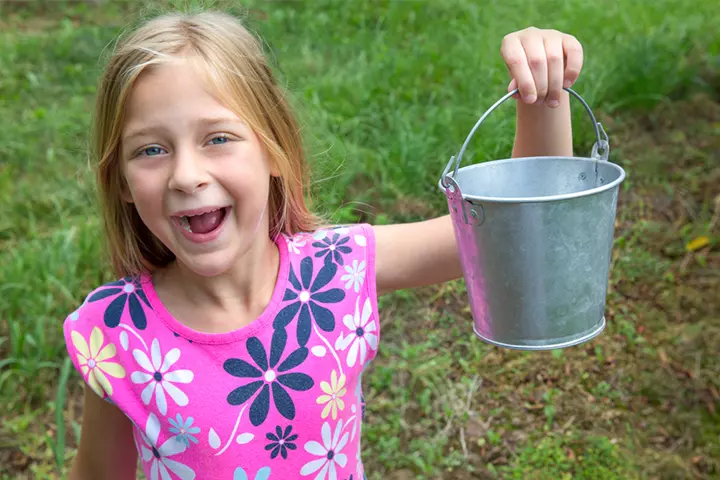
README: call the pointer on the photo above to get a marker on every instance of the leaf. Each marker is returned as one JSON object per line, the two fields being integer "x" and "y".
{"x": 244, "y": 438}
{"x": 697, "y": 243}
{"x": 213, "y": 439}
{"x": 318, "y": 351}
{"x": 124, "y": 340}
{"x": 59, "y": 447}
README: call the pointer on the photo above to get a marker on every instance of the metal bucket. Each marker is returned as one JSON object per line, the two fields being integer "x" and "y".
{"x": 535, "y": 237}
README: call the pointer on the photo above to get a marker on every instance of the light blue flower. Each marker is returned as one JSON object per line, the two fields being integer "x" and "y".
{"x": 262, "y": 474}
{"x": 184, "y": 430}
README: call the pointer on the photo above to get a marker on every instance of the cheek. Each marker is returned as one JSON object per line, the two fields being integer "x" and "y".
{"x": 143, "y": 192}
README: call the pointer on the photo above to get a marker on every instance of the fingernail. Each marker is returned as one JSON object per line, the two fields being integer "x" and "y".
{"x": 553, "y": 103}
{"x": 530, "y": 98}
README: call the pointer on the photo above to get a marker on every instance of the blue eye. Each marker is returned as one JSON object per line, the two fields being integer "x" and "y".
{"x": 152, "y": 151}
{"x": 219, "y": 140}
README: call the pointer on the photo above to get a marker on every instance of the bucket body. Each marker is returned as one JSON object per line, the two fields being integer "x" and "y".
{"x": 535, "y": 239}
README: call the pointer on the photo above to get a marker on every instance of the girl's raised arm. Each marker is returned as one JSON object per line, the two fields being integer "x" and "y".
{"x": 541, "y": 63}
{"x": 106, "y": 450}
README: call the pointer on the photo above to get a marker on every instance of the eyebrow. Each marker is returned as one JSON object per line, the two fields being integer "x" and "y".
{"x": 207, "y": 122}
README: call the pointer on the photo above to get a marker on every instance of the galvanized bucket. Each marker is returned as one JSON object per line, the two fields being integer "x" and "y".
{"x": 535, "y": 237}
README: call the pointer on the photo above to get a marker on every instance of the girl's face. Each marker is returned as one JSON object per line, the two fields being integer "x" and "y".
{"x": 196, "y": 173}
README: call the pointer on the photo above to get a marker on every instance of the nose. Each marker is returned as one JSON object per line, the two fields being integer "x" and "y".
{"x": 189, "y": 174}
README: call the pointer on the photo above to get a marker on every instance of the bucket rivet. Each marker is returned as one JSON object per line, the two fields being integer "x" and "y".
{"x": 473, "y": 213}
{"x": 583, "y": 176}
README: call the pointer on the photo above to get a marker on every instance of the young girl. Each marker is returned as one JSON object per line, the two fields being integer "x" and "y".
{"x": 233, "y": 344}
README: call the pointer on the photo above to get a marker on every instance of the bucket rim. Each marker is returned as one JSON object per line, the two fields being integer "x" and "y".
{"x": 546, "y": 198}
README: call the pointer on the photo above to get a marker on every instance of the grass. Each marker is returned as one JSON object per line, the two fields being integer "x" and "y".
{"x": 387, "y": 91}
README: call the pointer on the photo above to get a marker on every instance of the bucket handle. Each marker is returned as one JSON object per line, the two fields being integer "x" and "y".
{"x": 600, "y": 150}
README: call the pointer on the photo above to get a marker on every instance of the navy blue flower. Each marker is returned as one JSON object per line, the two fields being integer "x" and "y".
{"x": 280, "y": 442}
{"x": 308, "y": 299}
{"x": 130, "y": 291}
{"x": 269, "y": 377}
{"x": 331, "y": 247}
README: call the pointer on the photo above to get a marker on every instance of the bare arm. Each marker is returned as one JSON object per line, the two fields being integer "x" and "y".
{"x": 415, "y": 254}
{"x": 107, "y": 450}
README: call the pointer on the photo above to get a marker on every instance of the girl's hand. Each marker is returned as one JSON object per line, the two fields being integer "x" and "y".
{"x": 541, "y": 63}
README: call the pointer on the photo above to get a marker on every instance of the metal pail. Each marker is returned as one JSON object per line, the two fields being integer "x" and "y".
{"x": 535, "y": 237}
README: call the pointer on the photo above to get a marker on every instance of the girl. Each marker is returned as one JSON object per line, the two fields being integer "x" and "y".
{"x": 233, "y": 344}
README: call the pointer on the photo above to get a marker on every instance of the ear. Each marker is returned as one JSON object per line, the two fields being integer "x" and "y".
{"x": 274, "y": 168}
{"x": 125, "y": 192}
{"x": 274, "y": 171}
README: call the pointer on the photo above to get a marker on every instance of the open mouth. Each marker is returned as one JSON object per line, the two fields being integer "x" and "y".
{"x": 202, "y": 225}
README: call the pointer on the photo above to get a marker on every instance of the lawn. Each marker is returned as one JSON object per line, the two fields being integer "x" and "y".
{"x": 387, "y": 92}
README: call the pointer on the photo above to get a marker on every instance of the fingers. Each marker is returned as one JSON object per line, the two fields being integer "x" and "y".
{"x": 541, "y": 63}
{"x": 535, "y": 53}
{"x": 555, "y": 71}
{"x": 517, "y": 64}
{"x": 573, "y": 59}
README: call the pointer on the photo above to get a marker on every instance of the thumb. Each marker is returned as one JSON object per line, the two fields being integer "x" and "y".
{"x": 513, "y": 86}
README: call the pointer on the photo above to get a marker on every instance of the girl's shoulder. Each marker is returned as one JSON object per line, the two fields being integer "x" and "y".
{"x": 107, "y": 303}
{"x": 107, "y": 315}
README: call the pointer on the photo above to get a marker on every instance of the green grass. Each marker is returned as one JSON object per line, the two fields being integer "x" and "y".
{"x": 387, "y": 92}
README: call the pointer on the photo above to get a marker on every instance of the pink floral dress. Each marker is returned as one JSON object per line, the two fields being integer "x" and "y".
{"x": 278, "y": 399}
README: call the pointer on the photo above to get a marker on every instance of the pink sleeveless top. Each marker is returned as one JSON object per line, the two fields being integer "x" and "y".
{"x": 278, "y": 399}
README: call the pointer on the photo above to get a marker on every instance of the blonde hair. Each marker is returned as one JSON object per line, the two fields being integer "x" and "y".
{"x": 233, "y": 64}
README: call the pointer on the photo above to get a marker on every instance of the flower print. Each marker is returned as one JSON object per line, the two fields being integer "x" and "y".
{"x": 161, "y": 465}
{"x": 270, "y": 377}
{"x": 183, "y": 429}
{"x": 308, "y": 299}
{"x": 93, "y": 360}
{"x": 280, "y": 442}
{"x": 355, "y": 275}
{"x": 362, "y": 335}
{"x": 130, "y": 291}
{"x": 334, "y": 391}
{"x": 331, "y": 247}
{"x": 329, "y": 453}
{"x": 295, "y": 243}
{"x": 262, "y": 474}
{"x": 158, "y": 377}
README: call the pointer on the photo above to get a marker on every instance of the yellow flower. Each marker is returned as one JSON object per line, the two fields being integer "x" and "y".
{"x": 94, "y": 363}
{"x": 333, "y": 395}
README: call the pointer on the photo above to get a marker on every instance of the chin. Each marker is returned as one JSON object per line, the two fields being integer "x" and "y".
{"x": 210, "y": 267}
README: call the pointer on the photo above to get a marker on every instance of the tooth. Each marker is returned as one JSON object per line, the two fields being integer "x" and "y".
{"x": 185, "y": 223}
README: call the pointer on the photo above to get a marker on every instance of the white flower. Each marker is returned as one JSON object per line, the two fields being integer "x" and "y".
{"x": 158, "y": 455}
{"x": 159, "y": 378}
{"x": 295, "y": 243}
{"x": 355, "y": 275}
{"x": 329, "y": 453}
{"x": 362, "y": 334}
